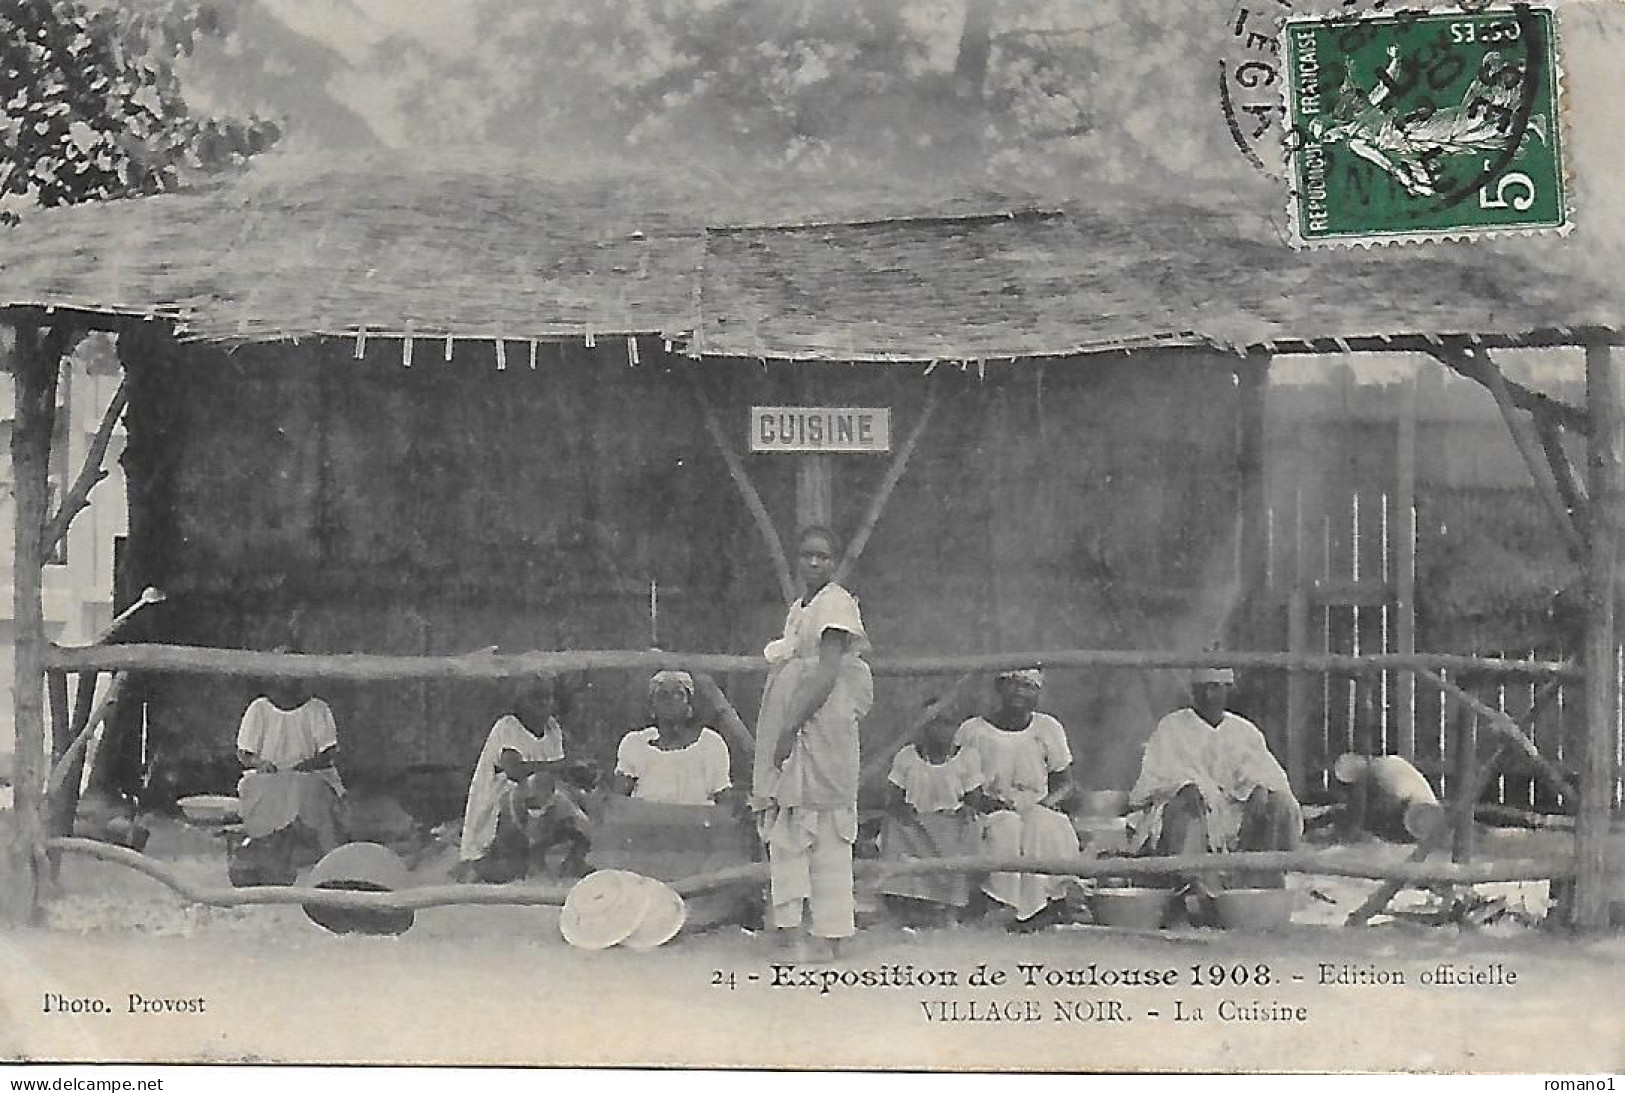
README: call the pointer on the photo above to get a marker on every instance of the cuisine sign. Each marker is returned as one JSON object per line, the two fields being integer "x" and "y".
{"x": 820, "y": 429}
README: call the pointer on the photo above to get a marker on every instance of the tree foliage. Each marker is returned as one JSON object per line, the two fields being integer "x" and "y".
{"x": 1026, "y": 88}
{"x": 90, "y": 107}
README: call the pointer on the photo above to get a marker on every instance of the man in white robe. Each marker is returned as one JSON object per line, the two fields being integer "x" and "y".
{"x": 1208, "y": 783}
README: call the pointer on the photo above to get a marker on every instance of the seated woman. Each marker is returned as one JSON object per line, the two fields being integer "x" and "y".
{"x": 675, "y": 815}
{"x": 676, "y": 760}
{"x": 520, "y": 798}
{"x": 1026, "y": 773}
{"x": 290, "y": 791}
{"x": 928, "y": 817}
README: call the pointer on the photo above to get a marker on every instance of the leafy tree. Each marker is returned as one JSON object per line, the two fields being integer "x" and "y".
{"x": 90, "y": 107}
{"x": 1008, "y": 90}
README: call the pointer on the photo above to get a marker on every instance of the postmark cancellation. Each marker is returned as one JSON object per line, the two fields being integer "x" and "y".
{"x": 1423, "y": 125}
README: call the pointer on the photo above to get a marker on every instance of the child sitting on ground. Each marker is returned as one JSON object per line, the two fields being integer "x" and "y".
{"x": 927, "y": 817}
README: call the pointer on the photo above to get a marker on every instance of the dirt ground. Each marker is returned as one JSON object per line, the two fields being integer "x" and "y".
{"x": 497, "y": 985}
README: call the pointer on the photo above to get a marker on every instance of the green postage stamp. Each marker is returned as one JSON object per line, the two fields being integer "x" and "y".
{"x": 1433, "y": 125}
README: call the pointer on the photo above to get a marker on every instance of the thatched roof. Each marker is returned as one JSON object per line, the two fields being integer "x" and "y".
{"x": 295, "y": 249}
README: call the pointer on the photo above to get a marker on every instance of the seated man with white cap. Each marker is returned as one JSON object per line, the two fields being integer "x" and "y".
{"x": 1208, "y": 783}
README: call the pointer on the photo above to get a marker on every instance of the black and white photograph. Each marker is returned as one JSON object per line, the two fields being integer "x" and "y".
{"x": 1046, "y": 536}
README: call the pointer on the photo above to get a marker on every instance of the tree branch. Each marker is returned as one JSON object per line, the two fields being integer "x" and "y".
{"x": 78, "y": 497}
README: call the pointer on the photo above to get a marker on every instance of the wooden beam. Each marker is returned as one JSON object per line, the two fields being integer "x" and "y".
{"x": 1466, "y": 798}
{"x": 747, "y": 489}
{"x": 1568, "y": 483}
{"x": 894, "y": 474}
{"x": 67, "y": 768}
{"x": 56, "y": 686}
{"x": 35, "y": 368}
{"x": 1506, "y": 728}
{"x": 1524, "y": 398}
{"x": 62, "y": 788}
{"x": 462, "y": 895}
{"x": 374, "y": 667}
{"x": 92, "y": 472}
{"x": 1405, "y": 570}
{"x": 1245, "y": 627}
{"x": 1597, "y": 773}
{"x": 1297, "y": 691}
{"x": 1464, "y": 830}
{"x": 1477, "y": 365}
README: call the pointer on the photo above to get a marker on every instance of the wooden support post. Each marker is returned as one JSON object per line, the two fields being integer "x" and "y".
{"x": 1462, "y": 766}
{"x": 1464, "y": 798}
{"x": 747, "y": 491}
{"x": 1245, "y": 625}
{"x": 1591, "y": 883}
{"x": 36, "y": 364}
{"x": 1507, "y": 729}
{"x": 1478, "y": 365}
{"x": 62, "y": 788}
{"x": 815, "y": 490}
{"x": 1405, "y": 572}
{"x": 56, "y": 687}
{"x": 1568, "y": 483}
{"x": 90, "y": 473}
{"x": 894, "y": 474}
{"x": 1297, "y": 688}
{"x": 815, "y": 473}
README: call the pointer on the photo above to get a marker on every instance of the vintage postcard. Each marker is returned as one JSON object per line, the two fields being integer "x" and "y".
{"x": 926, "y": 535}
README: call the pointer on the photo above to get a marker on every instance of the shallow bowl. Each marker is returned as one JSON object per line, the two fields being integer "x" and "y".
{"x": 1131, "y": 908}
{"x": 1255, "y": 908}
{"x": 209, "y": 808}
{"x": 1103, "y": 802}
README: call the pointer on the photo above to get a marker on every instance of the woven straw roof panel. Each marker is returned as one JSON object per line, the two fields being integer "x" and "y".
{"x": 293, "y": 249}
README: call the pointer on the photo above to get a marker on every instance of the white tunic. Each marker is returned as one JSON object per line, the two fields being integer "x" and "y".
{"x": 286, "y": 738}
{"x": 488, "y": 785}
{"x": 679, "y": 776}
{"x": 935, "y": 787}
{"x": 1225, "y": 763}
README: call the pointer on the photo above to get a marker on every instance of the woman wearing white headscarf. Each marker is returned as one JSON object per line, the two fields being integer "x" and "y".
{"x": 1026, "y": 774}
{"x": 676, "y": 760}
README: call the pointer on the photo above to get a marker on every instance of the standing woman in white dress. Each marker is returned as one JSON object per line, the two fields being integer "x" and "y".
{"x": 804, "y": 784}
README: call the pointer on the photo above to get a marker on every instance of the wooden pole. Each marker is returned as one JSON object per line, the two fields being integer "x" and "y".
{"x": 1465, "y": 759}
{"x": 36, "y": 365}
{"x": 1529, "y": 448}
{"x": 450, "y": 895}
{"x": 747, "y": 490}
{"x": 1465, "y": 797}
{"x": 91, "y": 473}
{"x": 369, "y": 667}
{"x": 1591, "y": 882}
{"x": 62, "y": 787}
{"x": 1297, "y": 688}
{"x": 1252, "y": 385}
{"x": 1405, "y": 572}
{"x": 1568, "y": 484}
{"x": 894, "y": 474}
{"x": 815, "y": 472}
{"x": 56, "y": 687}
{"x": 1507, "y": 729}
